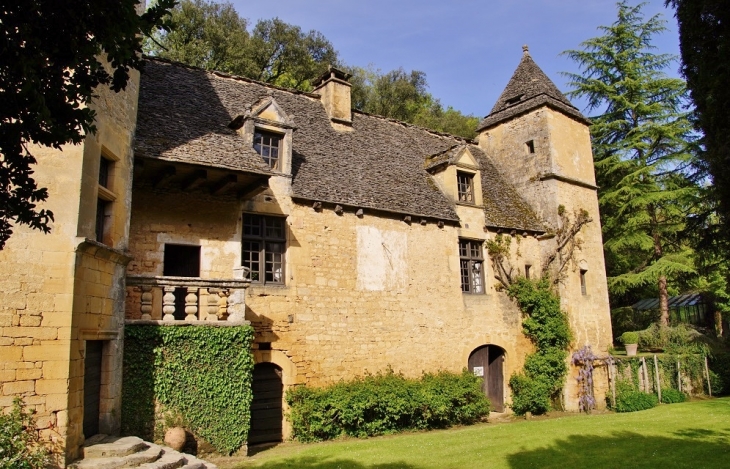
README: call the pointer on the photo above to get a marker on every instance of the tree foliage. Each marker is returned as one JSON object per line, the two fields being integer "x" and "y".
{"x": 214, "y": 37}
{"x": 53, "y": 55}
{"x": 704, "y": 39}
{"x": 643, "y": 144}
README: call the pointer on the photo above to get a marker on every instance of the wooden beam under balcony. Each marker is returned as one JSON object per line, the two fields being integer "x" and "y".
{"x": 163, "y": 177}
{"x": 224, "y": 184}
{"x": 196, "y": 179}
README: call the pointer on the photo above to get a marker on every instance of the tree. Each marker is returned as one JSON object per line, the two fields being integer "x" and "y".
{"x": 704, "y": 37}
{"x": 403, "y": 95}
{"x": 642, "y": 141}
{"x": 206, "y": 35}
{"x": 214, "y": 37}
{"x": 50, "y": 64}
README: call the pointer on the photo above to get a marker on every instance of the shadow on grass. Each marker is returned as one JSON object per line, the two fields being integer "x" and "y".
{"x": 691, "y": 448}
{"x": 309, "y": 462}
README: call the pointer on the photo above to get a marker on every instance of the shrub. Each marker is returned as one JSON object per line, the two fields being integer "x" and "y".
{"x": 545, "y": 324}
{"x": 629, "y": 399}
{"x": 20, "y": 446}
{"x": 720, "y": 373}
{"x": 385, "y": 403}
{"x": 673, "y": 396}
{"x": 630, "y": 337}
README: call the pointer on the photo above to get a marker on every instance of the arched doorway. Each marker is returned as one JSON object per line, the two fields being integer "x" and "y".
{"x": 487, "y": 361}
{"x": 266, "y": 406}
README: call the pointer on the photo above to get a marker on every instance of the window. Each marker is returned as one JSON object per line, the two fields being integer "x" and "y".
{"x": 102, "y": 207}
{"x": 472, "y": 266}
{"x": 181, "y": 261}
{"x": 465, "y": 184}
{"x": 264, "y": 246}
{"x": 267, "y": 144}
{"x": 530, "y": 146}
{"x": 105, "y": 197}
{"x": 527, "y": 271}
{"x": 583, "y": 282}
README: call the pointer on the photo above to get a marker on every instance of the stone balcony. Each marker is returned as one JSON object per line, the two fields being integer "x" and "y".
{"x": 185, "y": 299}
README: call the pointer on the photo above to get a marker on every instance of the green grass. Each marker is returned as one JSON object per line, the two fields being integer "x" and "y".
{"x": 692, "y": 435}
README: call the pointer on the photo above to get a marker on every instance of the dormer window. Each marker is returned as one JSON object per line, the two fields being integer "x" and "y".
{"x": 465, "y": 187}
{"x": 267, "y": 145}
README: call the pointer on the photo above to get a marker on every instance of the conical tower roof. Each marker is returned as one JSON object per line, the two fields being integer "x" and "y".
{"x": 528, "y": 89}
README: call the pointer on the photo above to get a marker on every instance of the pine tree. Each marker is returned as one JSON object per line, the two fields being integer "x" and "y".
{"x": 642, "y": 144}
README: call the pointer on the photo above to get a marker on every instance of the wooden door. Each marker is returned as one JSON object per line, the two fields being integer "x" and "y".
{"x": 495, "y": 378}
{"x": 266, "y": 407}
{"x": 486, "y": 362}
{"x": 479, "y": 365}
{"x": 92, "y": 386}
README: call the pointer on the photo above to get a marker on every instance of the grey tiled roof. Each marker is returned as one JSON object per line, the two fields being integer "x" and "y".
{"x": 184, "y": 113}
{"x": 529, "y": 88}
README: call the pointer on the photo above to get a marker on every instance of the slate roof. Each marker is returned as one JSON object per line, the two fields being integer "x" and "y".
{"x": 184, "y": 113}
{"x": 529, "y": 88}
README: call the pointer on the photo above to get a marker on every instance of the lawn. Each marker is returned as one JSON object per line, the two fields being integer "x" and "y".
{"x": 692, "y": 435}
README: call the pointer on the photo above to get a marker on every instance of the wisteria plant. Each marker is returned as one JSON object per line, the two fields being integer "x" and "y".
{"x": 584, "y": 359}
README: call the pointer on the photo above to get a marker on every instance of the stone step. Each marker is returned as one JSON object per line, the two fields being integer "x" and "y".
{"x": 169, "y": 460}
{"x": 150, "y": 454}
{"x": 112, "y": 447}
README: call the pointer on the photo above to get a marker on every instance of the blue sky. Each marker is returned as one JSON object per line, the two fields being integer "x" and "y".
{"x": 467, "y": 48}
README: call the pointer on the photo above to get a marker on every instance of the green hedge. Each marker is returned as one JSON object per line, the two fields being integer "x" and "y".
{"x": 200, "y": 373}
{"x": 672, "y": 396}
{"x": 386, "y": 403}
{"x": 629, "y": 399}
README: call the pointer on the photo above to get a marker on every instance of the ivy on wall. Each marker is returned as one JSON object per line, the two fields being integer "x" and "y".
{"x": 547, "y": 327}
{"x": 201, "y": 373}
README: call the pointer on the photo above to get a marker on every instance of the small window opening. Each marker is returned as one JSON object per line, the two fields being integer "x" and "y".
{"x": 527, "y": 271}
{"x": 515, "y": 99}
{"x": 102, "y": 218}
{"x": 583, "y": 282}
{"x": 104, "y": 169}
{"x": 530, "y": 146}
{"x": 181, "y": 261}
{"x": 465, "y": 183}
{"x": 267, "y": 145}
{"x": 264, "y": 345}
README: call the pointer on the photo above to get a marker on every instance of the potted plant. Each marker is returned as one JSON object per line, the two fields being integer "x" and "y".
{"x": 631, "y": 342}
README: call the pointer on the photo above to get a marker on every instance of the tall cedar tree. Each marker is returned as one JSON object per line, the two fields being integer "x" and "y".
{"x": 641, "y": 141}
{"x": 704, "y": 40}
{"x": 49, "y": 68}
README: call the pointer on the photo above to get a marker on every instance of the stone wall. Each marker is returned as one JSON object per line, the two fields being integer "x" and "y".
{"x": 64, "y": 288}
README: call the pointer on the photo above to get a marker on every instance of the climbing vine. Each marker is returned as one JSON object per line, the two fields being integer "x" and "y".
{"x": 200, "y": 373}
{"x": 547, "y": 327}
{"x": 584, "y": 359}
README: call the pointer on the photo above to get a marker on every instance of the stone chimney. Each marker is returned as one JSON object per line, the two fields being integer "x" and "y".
{"x": 334, "y": 89}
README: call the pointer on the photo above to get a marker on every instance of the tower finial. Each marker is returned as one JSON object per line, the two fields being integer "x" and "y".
{"x": 525, "y": 50}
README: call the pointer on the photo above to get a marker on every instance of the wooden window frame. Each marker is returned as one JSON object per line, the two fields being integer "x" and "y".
{"x": 263, "y": 248}
{"x": 465, "y": 187}
{"x": 269, "y": 145}
{"x": 105, "y": 200}
{"x": 471, "y": 266}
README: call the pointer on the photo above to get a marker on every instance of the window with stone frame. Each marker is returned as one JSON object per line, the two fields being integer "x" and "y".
{"x": 268, "y": 145}
{"x": 472, "y": 266}
{"x": 264, "y": 247}
{"x": 465, "y": 187}
{"x": 104, "y": 202}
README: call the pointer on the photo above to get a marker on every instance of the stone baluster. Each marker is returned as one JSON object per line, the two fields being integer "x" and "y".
{"x": 191, "y": 304}
{"x": 223, "y": 304}
{"x": 146, "y": 307}
{"x": 212, "y": 304}
{"x": 168, "y": 304}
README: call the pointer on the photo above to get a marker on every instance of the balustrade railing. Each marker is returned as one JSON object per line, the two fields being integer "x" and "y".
{"x": 182, "y": 298}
